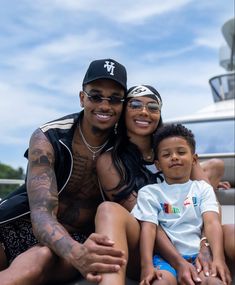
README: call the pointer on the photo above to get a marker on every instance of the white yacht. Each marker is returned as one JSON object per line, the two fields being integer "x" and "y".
{"x": 214, "y": 125}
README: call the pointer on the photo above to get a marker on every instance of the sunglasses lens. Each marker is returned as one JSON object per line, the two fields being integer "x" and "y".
{"x": 135, "y": 105}
{"x": 113, "y": 100}
{"x": 95, "y": 98}
{"x": 153, "y": 107}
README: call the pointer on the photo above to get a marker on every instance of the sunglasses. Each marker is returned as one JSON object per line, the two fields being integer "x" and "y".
{"x": 152, "y": 107}
{"x": 96, "y": 98}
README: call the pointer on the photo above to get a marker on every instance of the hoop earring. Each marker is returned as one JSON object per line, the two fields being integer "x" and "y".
{"x": 115, "y": 128}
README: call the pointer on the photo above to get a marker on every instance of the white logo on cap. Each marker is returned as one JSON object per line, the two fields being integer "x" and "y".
{"x": 137, "y": 90}
{"x": 109, "y": 65}
{"x": 140, "y": 91}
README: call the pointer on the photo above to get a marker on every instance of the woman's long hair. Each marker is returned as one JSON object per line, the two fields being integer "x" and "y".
{"x": 129, "y": 162}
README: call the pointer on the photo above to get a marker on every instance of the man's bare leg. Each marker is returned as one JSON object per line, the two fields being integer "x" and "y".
{"x": 36, "y": 266}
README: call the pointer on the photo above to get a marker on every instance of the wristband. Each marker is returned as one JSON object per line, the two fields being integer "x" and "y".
{"x": 202, "y": 239}
{"x": 205, "y": 243}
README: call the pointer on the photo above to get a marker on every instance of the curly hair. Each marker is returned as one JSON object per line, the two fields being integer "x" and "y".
{"x": 174, "y": 130}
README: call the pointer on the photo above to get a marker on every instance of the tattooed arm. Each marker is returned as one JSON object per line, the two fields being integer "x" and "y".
{"x": 43, "y": 196}
{"x": 97, "y": 253}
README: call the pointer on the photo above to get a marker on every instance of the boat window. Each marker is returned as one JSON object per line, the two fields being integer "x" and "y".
{"x": 222, "y": 87}
{"x": 214, "y": 136}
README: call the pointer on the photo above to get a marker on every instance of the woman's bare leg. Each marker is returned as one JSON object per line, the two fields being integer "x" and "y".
{"x": 229, "y": 246}
{"x": 120, "y": 226}
{"x": 167, "y": 279}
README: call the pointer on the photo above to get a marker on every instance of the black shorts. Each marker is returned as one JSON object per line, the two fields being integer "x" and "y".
{"x": 17, "y": 236}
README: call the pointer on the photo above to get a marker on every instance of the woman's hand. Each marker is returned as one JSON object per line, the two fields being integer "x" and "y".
{"x": 220, "y": 269}
{"x": 204, "y": 259}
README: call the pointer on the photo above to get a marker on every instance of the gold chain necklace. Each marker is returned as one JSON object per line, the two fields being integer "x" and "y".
{"x": 150, "y": 156}
{"x": 93, "y": 149}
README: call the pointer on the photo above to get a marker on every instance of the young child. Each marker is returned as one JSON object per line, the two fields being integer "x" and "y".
{"x": 181, "y": 207}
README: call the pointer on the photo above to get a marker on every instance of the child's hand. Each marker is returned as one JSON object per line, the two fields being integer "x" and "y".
{"x": 149, "y": 274}
{"x": 220, "y": 269}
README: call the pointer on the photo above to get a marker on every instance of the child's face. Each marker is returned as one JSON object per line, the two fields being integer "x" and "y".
{"x": 175, "y": 159}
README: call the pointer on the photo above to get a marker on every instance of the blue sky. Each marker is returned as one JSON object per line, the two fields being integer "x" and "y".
{"x": 46, "y": 47}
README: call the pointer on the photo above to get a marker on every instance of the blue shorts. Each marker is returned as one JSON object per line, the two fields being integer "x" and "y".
{"x": 161, "y": 264}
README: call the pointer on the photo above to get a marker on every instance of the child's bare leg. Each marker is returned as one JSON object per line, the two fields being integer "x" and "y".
{"x": 120, "y": 226}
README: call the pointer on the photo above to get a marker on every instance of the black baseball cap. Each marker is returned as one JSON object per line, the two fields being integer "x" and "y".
{"x": 106, "y": 69}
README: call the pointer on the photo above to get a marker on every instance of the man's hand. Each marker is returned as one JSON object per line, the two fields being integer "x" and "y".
{"x": 97, "y": 255}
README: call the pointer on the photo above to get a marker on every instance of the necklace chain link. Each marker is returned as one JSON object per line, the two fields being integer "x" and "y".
{"x": 93, "y": 149}
{"x": 150, "y": 156}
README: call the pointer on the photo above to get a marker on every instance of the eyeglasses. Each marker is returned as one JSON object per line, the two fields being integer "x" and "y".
{"x": 152, "y": 107}
{"x": 96, "y": 98}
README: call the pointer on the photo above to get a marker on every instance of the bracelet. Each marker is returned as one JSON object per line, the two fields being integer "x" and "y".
{"x": 202, "y": 239}
{"x": 206, "y": 243}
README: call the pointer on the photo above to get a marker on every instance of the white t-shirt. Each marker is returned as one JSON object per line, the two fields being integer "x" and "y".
{"x": 178, "y": 208}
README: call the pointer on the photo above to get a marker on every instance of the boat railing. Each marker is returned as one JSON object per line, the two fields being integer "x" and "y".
{"x": 12, "y": 181}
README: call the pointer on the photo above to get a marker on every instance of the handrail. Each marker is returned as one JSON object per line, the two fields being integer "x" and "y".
{"x": 12, "y": 181}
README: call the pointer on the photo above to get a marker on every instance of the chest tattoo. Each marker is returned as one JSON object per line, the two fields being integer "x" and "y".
{"x": 80, "y": 198}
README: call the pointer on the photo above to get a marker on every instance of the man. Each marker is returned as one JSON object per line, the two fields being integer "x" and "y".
{"x": 55, "y": 241}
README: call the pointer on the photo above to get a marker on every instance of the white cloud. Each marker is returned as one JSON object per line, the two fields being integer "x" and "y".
{"x": 137, "y": 13}
{"x": 20, "y": 110}
{"x": 150, "y": 57}
{"x": 124, "y": 11}
{"x": 46, "y": 47}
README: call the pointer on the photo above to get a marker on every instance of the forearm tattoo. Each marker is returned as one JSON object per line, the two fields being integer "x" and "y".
{"x": 43, "y": 195}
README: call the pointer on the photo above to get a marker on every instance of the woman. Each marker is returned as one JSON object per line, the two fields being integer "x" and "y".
{"x": 126, "y": 168}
